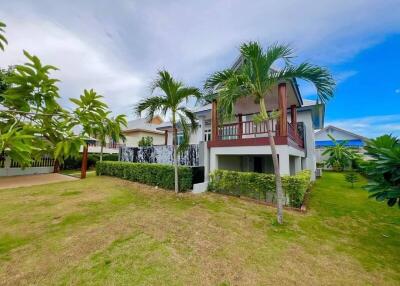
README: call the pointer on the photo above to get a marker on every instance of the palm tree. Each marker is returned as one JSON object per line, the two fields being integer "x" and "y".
{"x": 88, "y": 114}
{"x": 175, "y": 94}
{"x": 110, "y": 128}
{"x": 255, "y": 78}
{"x": 3, "y": 40}
{"x": 340, "y": 155}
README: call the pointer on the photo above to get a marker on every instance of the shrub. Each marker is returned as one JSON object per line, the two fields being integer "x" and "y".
{"x": 161, "y": 175}
{"x": 76, "y": 163}
{"x": 146, "y": 141}
{"x": 383, "y": 169}
{"x": 260, "y": 186}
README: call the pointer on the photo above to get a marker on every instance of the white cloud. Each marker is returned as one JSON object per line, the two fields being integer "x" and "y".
{"x": 80, "y": 64}
{"x": 370, "y": 126}
{"x": 117, "y": 47}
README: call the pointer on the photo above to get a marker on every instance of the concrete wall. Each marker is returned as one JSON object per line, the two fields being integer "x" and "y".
{"x": 5, "y": 172}
{"x": 309, "y": 141}
{"x": 133, "y": 138}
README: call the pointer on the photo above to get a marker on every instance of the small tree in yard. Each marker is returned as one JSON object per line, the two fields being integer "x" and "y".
{"x": 111, "y": 129}
{"x": 146, "y": 141}
{"x": 256, "y": 78}
{"x": 175, "y": 94}
{"x": 383, "y": 170}
{"x": 351, "y": 178}
{"x": 340, "y": 156}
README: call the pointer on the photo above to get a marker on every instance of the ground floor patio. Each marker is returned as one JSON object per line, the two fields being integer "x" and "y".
{"x": 259, "y": 159}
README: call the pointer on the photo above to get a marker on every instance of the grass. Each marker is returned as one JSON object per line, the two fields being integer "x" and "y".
{"x": 106, "y": 231}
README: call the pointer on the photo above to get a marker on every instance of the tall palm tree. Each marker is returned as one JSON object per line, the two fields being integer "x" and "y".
{"x": 255, "y": 78}
{"x": 110, "y": 128}
{"x": 175, "y": 94}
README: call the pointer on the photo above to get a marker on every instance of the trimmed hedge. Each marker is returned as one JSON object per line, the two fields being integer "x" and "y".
{"x": 76, "y": 163}
{"x": 160, "y": 175}
{"x": 260, "y": 186}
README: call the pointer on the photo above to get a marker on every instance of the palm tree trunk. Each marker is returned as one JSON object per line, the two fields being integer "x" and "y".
{"x": 278, "y": 179}
{"x": 101, "y": 152}
{"x": 174, "y": 143}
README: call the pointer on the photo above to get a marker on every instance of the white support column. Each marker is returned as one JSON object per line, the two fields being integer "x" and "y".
{"x": 206, "y": 154}
{"x": 297, "y": 164}
{"x": 213, "y": 161}
{"x": 284, "y": 164}
{"x": 200, "y": 132}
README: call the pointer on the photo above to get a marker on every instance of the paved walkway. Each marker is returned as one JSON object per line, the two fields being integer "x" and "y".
{"x": 32, "y": 180}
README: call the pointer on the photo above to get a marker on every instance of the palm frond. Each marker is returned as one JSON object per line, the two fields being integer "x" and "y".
{"x": 217, "y": 79}
{"x": 184, "y": 93}
{"x": 151, "y": 105}
{"x": 276, "y": 52}
{"x": 191, "y": 118}
{"x": 185, "y": 129}
{"x": 319, "y": 76}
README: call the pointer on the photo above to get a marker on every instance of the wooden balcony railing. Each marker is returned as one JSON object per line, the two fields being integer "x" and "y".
{"x": 249, "y": 130}
{"x": 244, "y": 129}
{"x": 294, "y": 135}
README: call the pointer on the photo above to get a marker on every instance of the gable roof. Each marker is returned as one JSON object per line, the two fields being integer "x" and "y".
{"x": 341, "y": 130}
{"x": 142, "y": 124}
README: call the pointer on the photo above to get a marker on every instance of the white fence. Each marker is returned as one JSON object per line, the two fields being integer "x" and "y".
{"x": 8, "y": 167}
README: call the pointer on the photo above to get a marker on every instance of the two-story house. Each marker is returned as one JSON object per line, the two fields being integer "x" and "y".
{"x": 243, "y": 145}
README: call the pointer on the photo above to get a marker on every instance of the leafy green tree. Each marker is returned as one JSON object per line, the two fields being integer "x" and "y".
{"x": 110, "y": 128}
{"x": 340, "y": 156}
{"x": 351, "y": 178}
{"x": 255, "y": 78}
{"x": 383, "y": 169}
{"x": 31, "y": 101}
{"x": 146, "y": 141}
{"x": 4, "y": 84}
{"x": 175, "y": 94}
{"x": 3, "y": 40}
{"x": 18, "y": 143}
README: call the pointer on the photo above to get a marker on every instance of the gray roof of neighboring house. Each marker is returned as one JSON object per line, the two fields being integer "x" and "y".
{"x": 141, "y": 124}
{"x": 341, "y": 130}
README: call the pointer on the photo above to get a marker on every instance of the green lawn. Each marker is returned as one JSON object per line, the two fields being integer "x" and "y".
{"x": 106, "y": 231}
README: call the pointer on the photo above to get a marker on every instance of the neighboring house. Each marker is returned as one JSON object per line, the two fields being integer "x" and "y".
{"x": 243, "y": 145}
{"x": 322, "y": 140}
{"x": 136, "y": 129}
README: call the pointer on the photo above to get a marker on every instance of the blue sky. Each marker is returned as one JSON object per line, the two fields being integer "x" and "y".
{"x": 367, "y": 98}
{"x": 116, "y": 48}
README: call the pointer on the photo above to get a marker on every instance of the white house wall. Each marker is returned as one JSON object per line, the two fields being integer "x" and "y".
{"x": 133, "y": 138}
{"x": 309, "y": 141}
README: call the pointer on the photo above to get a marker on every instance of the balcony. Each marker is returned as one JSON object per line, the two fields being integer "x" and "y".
{"x": 249, "y": 133}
